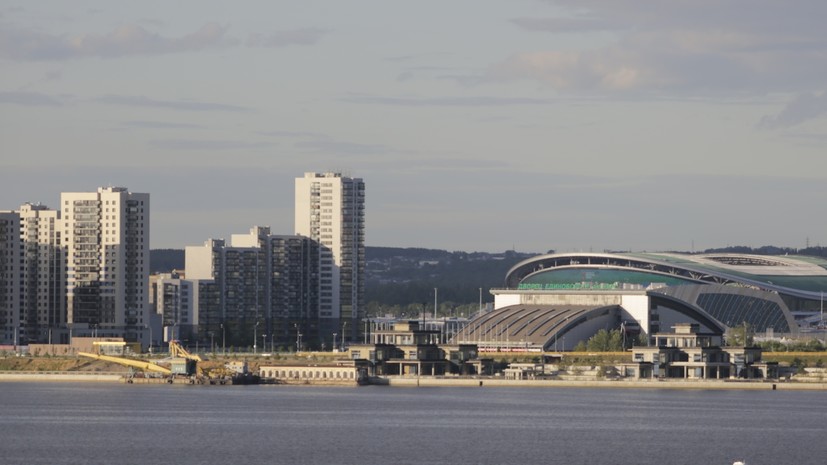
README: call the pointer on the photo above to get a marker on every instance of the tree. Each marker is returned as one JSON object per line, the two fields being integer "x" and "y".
{"x": 606, "y": 341}
{"x": 740, "y": 336}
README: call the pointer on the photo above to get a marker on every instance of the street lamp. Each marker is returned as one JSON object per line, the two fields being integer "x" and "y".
{"x": 343, "y": 335}
{"x": 255, "y": 327}
{"x": 335, "y": 347}
{"x": 149, "y": 327}
{"x": 223, "y": 340}
{"x": 263, "y": 343}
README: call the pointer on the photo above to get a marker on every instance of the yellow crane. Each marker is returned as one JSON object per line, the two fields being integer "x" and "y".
{"x": 145, "y": 366}
{"x": 177, "y": 350}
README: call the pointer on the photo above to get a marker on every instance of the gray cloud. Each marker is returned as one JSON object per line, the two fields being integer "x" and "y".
{"x": 201, "y": 144}
{"x": 804, "y": 107}
{"x": 29, "y": 99}
{"x": 699, "y": 48}
{"x": 306, "y": 36}
{"x": 579, "y": 24}
{"x": 328, "y": 145}
{"x": 129, "y": 39}
{"x": 185, "y": 105}
{"x": 447, "y": 101}
{"x": 292, "y": 134}
{"x": 160, "y": 125}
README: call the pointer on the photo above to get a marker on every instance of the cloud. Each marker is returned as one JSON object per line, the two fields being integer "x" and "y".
{"x": 184, "y": 105}
{"x": 129, "y": 39}
{"x": 29, "y": 99}
{"x": 582, "y": 24}
{"x": 328, "y": 145}
{"x": 684, "y": 48}
{"x": 306, "y": 36}
{"x": 160, "y": 125}
{"x": 446, "y": 101}
{"x": 804, "y": 107}
{"x": 200, "y": 144}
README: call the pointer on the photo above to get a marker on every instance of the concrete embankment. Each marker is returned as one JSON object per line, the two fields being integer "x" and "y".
{"x": 616, "y": 384}
{"x": 60, "y": 376}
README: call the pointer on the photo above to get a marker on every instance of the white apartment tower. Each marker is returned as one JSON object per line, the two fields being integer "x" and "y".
{"x": 43, "y": 288}
{"x": 330, "y": 209}
{"x": 106, "y": 235}
{"x": 32, "y": 277}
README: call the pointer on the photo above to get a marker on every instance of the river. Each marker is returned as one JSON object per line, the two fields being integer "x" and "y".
{"x": 103, "y": 423}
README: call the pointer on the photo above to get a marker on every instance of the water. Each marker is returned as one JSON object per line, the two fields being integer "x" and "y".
{"x": 101, "y": 423}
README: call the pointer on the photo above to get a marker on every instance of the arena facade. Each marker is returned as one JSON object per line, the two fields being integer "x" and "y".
{"x": 554, "y": 301}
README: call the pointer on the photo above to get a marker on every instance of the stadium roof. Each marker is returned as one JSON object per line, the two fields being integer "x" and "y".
{"x": 800, "y": 276}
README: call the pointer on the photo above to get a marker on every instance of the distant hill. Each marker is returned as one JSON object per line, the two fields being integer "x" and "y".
{"x": 406, "y": 277}
{"x": 166, "y": 260}
{"x": 402, "y": 276}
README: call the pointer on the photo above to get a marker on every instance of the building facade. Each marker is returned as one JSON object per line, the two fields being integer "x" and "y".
{"x": 9, "y": 277}
{"x": 32, "y": 276}
{"x": 330, "y": 209}
{"x": 106, "y": 236}
{"x": 265, "y": 289}
{"x": 43, "y": 284}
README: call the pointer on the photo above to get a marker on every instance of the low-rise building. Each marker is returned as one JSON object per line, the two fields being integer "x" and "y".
{"x": 408, "y": 348}
{"x": 689, "y": 354}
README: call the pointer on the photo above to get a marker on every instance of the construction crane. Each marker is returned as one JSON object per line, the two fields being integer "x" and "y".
{"x": 177, "y": 350}
{"x": 139, "y": 364}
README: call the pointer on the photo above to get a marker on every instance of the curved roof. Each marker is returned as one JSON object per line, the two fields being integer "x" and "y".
{"x": 803, "y": 277}
{"x": 539, "y": 325}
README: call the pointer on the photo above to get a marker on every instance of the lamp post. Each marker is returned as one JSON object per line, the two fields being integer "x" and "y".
{"x": 435, "y": 305}
{"x": 335, "y": 347}
{"x": 149, "y": 327}
{"x": 255, "y": 329}
{"x": 263, "y": 343}
{"x": 223, "y": 340}
{"x": 343, "y": 335}
{"x": 480, "y": 300}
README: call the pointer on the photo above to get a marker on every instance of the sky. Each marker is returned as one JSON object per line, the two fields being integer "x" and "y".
{"x": 477, "y": 125}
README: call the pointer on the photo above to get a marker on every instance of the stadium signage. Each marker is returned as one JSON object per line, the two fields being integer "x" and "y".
{"x": 589, "y": 286}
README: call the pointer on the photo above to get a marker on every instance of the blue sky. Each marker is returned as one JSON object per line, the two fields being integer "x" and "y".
{"x": 476, "y": 124}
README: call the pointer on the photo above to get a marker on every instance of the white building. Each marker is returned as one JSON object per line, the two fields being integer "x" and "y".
{"x": 330, "y": 209}
{"x": 32, "y": 277}
{"x": 106, "y": 235}
{"x": 43, "y": 289}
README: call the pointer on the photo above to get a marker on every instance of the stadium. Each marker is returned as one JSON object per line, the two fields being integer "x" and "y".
{"x": 554, "y": 301}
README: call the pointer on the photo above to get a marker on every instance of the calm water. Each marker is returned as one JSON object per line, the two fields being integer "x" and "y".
{"x": 94, "y": 423}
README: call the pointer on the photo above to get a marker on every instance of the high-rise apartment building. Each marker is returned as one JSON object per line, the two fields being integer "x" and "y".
{"x": 43, "y": 285}
{"x": 32, "y": 276}
{"x": 9, "y": 277}
{"x": 264, "y": 287}
{"x": 330, "y": 209}
{"x": 106, "y": 235}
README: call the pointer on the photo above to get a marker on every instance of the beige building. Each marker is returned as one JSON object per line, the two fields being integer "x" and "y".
{"x": 106, "y": 235}
{"x": 688, "y": 354}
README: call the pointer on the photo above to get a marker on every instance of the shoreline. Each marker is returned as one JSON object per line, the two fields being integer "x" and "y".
{"x": 406, "y": 382}
{"x": 608, "y": 384}
{"x": 74, "y": 376}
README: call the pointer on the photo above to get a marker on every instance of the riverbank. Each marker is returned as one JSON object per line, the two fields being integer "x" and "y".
{"x": 409, "y": 382}
{"x": 73, "y": 376}
{"x": 611, "y": 384}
